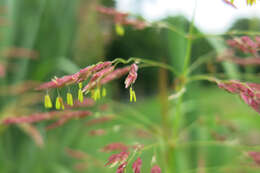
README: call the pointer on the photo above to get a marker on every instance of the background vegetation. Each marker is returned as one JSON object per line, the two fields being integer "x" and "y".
{"x": 40, "y": 39}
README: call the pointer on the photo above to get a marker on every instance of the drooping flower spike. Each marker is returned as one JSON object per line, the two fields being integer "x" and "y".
{"x": 130, "y": 80}
{"x": 245, "y": 44}
{"x": 248, "y": 92}
{"x": 97, "y": 75}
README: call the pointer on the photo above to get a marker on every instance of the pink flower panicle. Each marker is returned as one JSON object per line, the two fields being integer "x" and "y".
{"x": 2, "y": 70}
{"x": 99, "y": 120}
{"x": 244, "y": 61}
{"x": 67, "y": 117}
{"x": 132, "y": 76}
{"x": 74, "y": 78}
{"x": 137, "y": 165}
{"x": 38, "y": 117}
{"x": 94, "y": 81}
{"x": 107, "y": 78}
{"x": 33, "y": 118}
{"x": 99, "y": 75}
{"x": 248, "y": 92}
{"x": 117, "y": 146}
{"x": 245, "y": 44}
{"x": 122, "y": 18}
{"x": 97, "y": 132}
{"x": 156, "y": 169}
{"x": 255, "y": 156}
{"x": 88, "y": 102}
{"x": 76, "y": 154}
{"x": 18, "y": 52}
{"x": 120, "y": 158}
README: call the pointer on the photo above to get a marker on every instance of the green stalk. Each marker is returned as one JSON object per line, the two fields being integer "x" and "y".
{"x": 178, "y": 113}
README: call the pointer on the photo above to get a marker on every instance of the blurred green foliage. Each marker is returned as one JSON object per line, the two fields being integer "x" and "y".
{"x": 217, "y": 129}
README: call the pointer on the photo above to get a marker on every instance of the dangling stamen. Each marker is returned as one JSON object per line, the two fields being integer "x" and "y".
{"x": 97, "y": 94}
{"x": 47, "y": 101}
{"x": 119, "y": 30}
{"x": 104, "y": 92}
{"x": 132, "y": 95}
{"x": 80, "y": 93}
{"x": 69, "y": 99}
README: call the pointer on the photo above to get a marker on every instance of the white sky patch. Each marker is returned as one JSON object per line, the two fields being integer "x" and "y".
{"x": 212, "y": 16}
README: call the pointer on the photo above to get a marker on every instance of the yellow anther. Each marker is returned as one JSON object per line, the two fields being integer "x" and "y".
{"x": 120, "y": 30}
{"x": 132, "y": 95}
{"x": 104, "y": 92}
{"x": 80, "y": 95}
{"x": 69, "y": 99}
{"x": 59, "y": 103}
{"x": 97, "y": 94}
{"x": 80, "y": 85}
{"x": 47, "y": 101}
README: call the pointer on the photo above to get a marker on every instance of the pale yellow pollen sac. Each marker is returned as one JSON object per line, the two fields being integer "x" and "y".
{"x": 69, "y": 99}
{"x": 132, "y": 95}
{"x": 59, "y": 103}
{"x": 120, "y": 30}
{"x": 97, "y": 94}
{"x": 104, "y": 92}
{"x": 80, "y": 93}
{"x": 251, "y": 2}
{"x": 47, "y": 101}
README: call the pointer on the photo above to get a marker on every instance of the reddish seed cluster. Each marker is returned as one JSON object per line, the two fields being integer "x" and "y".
{"x": 99, "y": 120}
{"x": 115, "y": 147}
{"x": 243, "y": 61}
{"x": 245, "y": 44}
{"x": 37, "y": 117}
{"x": 101, "y": 73}
{"x": 87, "y": 102}
{"x": 248, "y": 92}
{"x": 117, "y": 158}
{"x": 78, "y": 77}
{"x": 17, "y": 52}
{"x": 132, "y": 76}
{"x": 97, "y": 132}
{"x": 255, "y": 156}
{"x": 66, "y": 117}
{"x": 137, "y": 165}
{"x": 122, "y": 18}
{"x": 76, "y": 153}
{"x": 122, "y": 160}
{"x": 121, "y": 168}
{"x": 2, "y": 70}
{"x": 156, "y": 169}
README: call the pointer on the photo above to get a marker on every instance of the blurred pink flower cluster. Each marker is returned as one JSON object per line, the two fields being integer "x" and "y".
{"x": 62, "y": 117}
{"x": 122, "y": 18}
{"x": 122, "y": 160}
{"x": 248, "y": 92}
{"x": 245, "y": 44}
